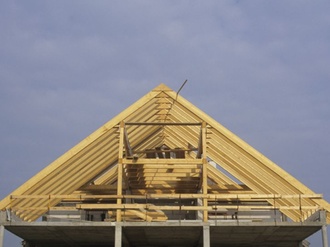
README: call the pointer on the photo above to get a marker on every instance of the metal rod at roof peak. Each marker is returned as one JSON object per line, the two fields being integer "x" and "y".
{"x": 174, "y": 100}
{"x": 177, "y": 93}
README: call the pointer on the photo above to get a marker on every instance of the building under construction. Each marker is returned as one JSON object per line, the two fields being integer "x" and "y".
{"x": 163, "y": 173}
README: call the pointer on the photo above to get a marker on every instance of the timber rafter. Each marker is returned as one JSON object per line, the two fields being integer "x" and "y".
{"x": 163, "y": 148}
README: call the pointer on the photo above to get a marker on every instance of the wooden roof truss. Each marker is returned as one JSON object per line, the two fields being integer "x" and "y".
{"x": 163, "y": 148}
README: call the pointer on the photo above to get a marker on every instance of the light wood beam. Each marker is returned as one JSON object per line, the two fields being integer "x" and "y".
{"x": 128, "y": 148}
{"x": 171, "y": 196}
{"x": 200, "y": 145}
{"x": 163, "y": 123}
{"x": 204, "y": 175}
{"x": 142, "y": 161}
{"x": 120, "y": 169}
{"x": 185, "y": 207}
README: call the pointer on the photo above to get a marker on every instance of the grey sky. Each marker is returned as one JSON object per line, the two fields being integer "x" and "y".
{"x": 260, "y": 68}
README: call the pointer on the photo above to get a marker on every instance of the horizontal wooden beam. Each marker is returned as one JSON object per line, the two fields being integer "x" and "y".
{"x": 218, "y": 209}
{"x": 167, "y": 190}
{"x": 172, "y": 196}
{"x": 160, "y": 170}
{"x": 164, "y": 150}
{"x": 172, "y": 181}
{"x": 144, "y": 215}
{"x": 160, "y": 166}
{"x": 163, "y": 123}
{"x": 162, "y": 161}
{"x": 196, "y": 208}
{"x": 183, "y": 175}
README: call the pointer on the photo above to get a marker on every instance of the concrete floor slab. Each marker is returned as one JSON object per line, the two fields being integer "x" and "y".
{"x": 165, "y": 234}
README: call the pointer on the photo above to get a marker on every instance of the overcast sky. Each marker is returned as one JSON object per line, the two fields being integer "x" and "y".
{"x": 260, "y": 68}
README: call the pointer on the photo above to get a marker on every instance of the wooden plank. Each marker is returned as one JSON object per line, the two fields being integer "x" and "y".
{"x": 222, "y": 177}
{"x": 120, "y": 169}
{"x": 108, "y": 176}
{"x": 131, "y": 212}
{"x": 128, "y": 148}
{"x": 164, "y": 150}
{"x": 141, "y": 215}
{"x": 184, "y": 175}
{"x": 200, "y": 144}
{"x": 162, "y": 123}
{"x": 170, "y": 196}
{"x": 130, "y": 170}
{"x": 165, "y": 166}
{"x": 163, "y": 175}
{"x": 164, "y": 180}
{"x": 99, "y": 187}
{"x": 163, "y": 100}
{"x": 142, "y": 161}
{"x": 193, "y": 208}
{"x": 204, "y": 170}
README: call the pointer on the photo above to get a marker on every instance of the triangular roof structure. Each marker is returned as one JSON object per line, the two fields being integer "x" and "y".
{"x": 206, "y": 158}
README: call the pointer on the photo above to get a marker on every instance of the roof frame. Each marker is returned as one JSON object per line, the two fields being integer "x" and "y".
{"x": 113, "y": 156}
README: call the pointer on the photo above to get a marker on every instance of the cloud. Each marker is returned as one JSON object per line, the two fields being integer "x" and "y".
{"x": 258, "y": 67}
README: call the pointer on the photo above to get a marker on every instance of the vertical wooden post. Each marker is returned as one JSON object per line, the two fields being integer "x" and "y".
{"x": 205, "y": 163}
{"x": 120, "y": 168}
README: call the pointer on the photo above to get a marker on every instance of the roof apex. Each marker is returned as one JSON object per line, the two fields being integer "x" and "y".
{"x": 162, "y": 87}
